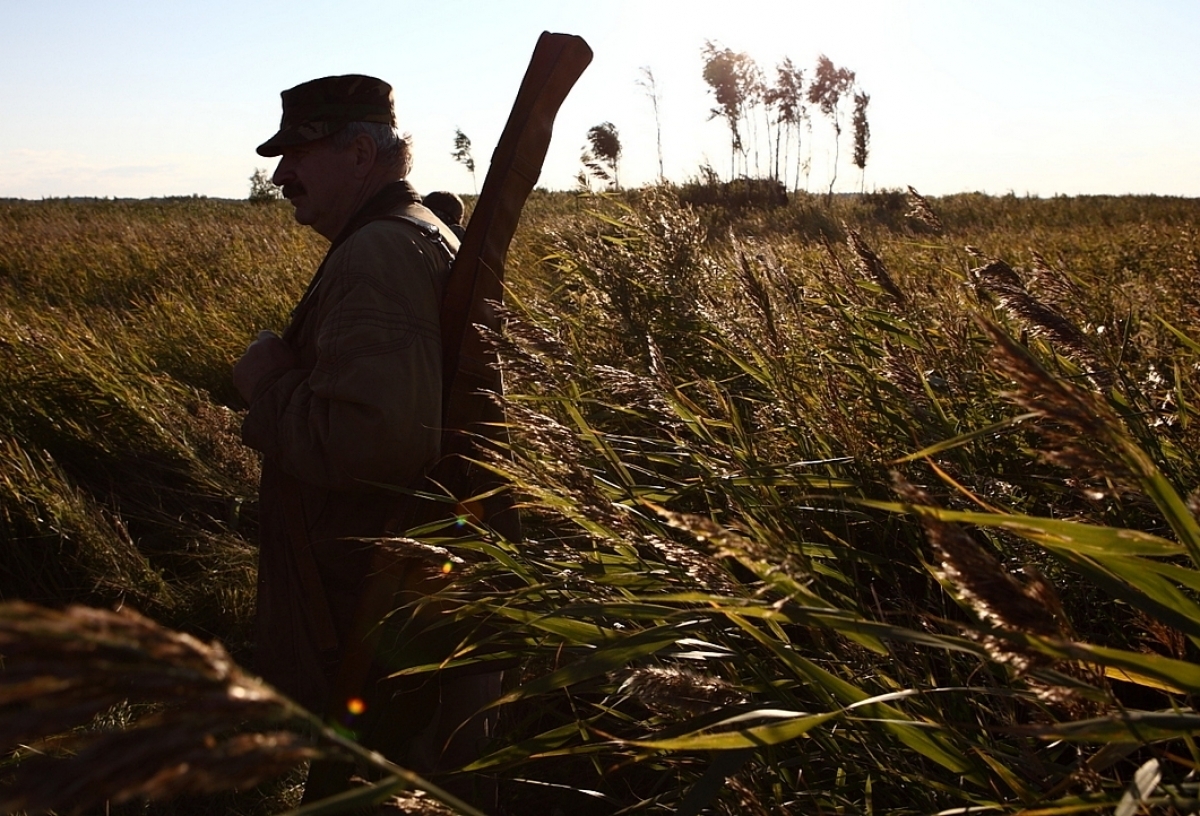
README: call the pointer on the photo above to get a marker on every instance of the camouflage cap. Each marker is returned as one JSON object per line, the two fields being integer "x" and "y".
{"x": 322, "y": 107}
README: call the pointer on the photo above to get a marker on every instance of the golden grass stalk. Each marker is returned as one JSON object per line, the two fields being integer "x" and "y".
{"x": 63, "y": 668}
{"x": 920, "y": 210}
{"x": 677, "y": 692}
{"x": 871, "y": 267}
{"x": 999, "y": 280}
{"x": 199, "y": 724}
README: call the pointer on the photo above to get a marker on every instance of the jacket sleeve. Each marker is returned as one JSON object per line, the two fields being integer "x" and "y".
{"x": 369, "y": 408}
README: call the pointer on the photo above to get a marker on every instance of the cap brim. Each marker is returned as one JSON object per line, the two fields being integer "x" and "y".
{"x": 271, "y": 147}
{"x": 297, "y": 135}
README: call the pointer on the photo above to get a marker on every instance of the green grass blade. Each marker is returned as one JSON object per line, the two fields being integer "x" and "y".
{"x": 963, "y": 439}
{"x": 757, "y": 736}
{"x": 1089, "y": 539}
{"x": 605, "y": 659}
{"x": 911, "y": 733}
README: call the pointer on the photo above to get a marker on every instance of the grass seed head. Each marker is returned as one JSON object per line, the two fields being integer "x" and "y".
{"x": 676, "y": 692}
{"x": 64, "y": 668}
{"x": 994, "y": 594}
{"x": 999, "y": 599}
{"x": 1054, "y": 285}
{"x": 871, "y": 267}
{"x": 1078, "y": 429}
{"x": 999, "y": 280}
{"x": 920, "y": 210}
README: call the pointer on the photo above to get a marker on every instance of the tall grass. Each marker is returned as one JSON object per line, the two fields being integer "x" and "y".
{"x": 885, "y": 506}
{"x": 122, "y": 475}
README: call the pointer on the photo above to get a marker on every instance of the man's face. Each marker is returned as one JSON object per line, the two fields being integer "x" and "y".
{"x": 320, "y": 183}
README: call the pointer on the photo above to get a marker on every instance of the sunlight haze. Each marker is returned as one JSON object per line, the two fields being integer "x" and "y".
{"x": 140, "y": 99}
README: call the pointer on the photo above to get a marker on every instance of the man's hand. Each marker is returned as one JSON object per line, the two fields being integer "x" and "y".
{"x": 266, "y": 354}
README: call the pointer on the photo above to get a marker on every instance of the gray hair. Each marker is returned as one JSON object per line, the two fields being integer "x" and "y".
{"x": 393, "y": 148}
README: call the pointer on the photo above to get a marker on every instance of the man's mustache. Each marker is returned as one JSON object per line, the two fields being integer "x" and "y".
{"x": 290, "y": 190}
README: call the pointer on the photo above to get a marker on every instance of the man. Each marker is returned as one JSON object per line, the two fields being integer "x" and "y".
{"x": 349, "y": 399}
{"x": 449, "y": 208}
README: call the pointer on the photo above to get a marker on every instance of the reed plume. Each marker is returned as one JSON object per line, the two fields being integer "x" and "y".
{"x": 1000, "y": 281}
{"x": 1053, "y": 284}
{"x": 198, "y": 723}
{"x": 1000, "y": 600}
{"x": 995, "y": 596}
{"x": 64, "y": 668}
{"x": 753, "y": 280}
{"x": 897, "y": 368}
{"x": 676, "y": 692}
{"x": 721, "y": 542}
{"x": 536, "y": 356}
{"x": 919, "y": 210}
{"x": 871, "y": 267}
{"x": 1079, "y": 431}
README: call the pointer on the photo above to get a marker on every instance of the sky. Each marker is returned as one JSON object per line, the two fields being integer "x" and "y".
{"x": 133, "y": 99}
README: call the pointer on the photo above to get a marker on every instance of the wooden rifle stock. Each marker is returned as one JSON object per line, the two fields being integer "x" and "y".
{"x": 478, "y": 273}
{"x": 469, "y": 367}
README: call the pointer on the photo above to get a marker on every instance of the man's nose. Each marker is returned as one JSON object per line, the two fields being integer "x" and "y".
{"x": 282, "y": 174}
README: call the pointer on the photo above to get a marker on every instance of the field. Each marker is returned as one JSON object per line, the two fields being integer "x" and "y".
{"x": 871, "y": 505}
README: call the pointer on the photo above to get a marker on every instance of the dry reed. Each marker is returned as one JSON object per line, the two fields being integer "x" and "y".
{"x": 920, "y": 210}
{"x": 872, "y": 268}
{"x": 1002, "y": 282}
{"x": 676, "y": 692}
{"x": 190, "y": 704}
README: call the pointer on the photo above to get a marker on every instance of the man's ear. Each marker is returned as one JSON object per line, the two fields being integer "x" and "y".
{"x": 365, "y": 150}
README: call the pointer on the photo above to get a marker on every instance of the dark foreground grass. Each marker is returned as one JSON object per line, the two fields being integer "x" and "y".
{"x": 885, "y": 506}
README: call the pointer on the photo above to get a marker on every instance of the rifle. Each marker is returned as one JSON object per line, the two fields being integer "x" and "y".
{"x": 469, "y": 367}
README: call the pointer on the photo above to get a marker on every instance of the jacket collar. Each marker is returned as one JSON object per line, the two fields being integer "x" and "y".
{"x": 390, "y": 196}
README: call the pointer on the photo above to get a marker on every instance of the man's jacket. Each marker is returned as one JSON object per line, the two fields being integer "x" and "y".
{"x": 362, "y": 410}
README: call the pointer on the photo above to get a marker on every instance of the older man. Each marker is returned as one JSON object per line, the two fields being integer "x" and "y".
{"x": 349, "y": 399}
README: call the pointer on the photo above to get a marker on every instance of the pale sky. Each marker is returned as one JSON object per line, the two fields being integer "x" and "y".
{"x": 133, "y": 98}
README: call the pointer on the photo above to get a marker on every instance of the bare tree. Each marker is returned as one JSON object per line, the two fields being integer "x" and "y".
{"x": 756, "y": 100}
{"x": 462, "y": 154}
{"x": 650, "y": 87}
{"x": 862, "y": 135}
{"x": 829, "y": 86}
{"x": 786, "y": 97}
{"x": 603, "y": 156}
